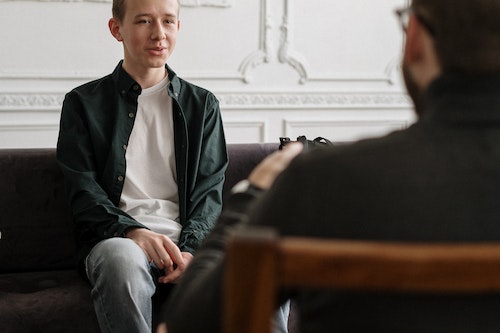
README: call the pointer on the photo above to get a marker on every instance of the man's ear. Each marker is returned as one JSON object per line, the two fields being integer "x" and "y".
{"x": 114, "y": 28}
{"x": 420, "y": 55}
{"x": 414, "y": 44}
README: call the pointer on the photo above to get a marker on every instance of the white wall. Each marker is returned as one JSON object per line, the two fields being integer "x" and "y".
{"x": 279, "y": 67}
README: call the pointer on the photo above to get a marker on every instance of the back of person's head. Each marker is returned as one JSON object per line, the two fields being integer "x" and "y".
{"x": 466, "y": 33}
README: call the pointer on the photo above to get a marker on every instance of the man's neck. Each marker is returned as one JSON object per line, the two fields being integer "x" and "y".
{"x": 147, "y": 78}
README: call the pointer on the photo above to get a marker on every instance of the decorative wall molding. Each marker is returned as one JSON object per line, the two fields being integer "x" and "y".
{"x": 186, "y": 3}
{"x": 388, "y": 76}
{"x": 296, "y": 90}
{"x": 286, "y": 54}
{"x": 30, "y": 102}
{"x": 246, "y": 129}
{"x": 29, "y": 134}
{"x": 27, "y": 127}
{"x": 333, "y": 125}
{"x": 343, "y": 131}
{"x": 275, "y": 44}
{"x": 213, "y": 3}
{"x": 276, "y": 35}
{"x": 240, "y": 100}
{"x": 313, "y": 100}
{"x": 265, "y": 53}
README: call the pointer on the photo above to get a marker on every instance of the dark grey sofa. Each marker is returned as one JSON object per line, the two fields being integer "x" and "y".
{"x": 40, "y": 289}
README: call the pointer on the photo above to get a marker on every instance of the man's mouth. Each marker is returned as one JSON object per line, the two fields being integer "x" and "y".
{"x": 157, "y": 50}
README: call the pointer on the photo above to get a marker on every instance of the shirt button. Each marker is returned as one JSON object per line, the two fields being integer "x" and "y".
{"x": 131, "y": 115}
{"x": 135, "y": 87}
{"x": 123, "y": 92}
{"x": 120, "y": 178}
{"x": 124, "y": 147}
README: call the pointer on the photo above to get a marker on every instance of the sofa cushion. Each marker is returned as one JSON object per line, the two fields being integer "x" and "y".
{"x": 243, "y": 158}
{"x": 35, "y": 225}
{"x": 54, "y": 301}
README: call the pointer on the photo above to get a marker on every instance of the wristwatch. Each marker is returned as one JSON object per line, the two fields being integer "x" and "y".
{"x": 244, "y": 186}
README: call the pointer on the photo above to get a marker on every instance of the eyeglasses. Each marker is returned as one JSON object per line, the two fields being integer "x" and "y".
{"x": 404, "y": 18}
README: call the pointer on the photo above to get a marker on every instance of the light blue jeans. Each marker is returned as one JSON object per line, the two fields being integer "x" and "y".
{"x": 123, "y": 284}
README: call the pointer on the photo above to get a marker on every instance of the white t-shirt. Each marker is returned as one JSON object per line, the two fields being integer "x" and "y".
{"x": 150, "y": 192}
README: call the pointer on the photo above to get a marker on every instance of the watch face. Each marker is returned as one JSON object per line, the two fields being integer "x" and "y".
{"x": 241, "y": 186}
{"x": 245, "y": 186}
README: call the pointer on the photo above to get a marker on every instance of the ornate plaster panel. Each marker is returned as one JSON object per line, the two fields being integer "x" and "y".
{"x": 276, "y": 33}
{"x": 269, "y": 44}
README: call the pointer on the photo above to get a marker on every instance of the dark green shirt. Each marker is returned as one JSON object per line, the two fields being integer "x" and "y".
{"x": 96, "y": 123}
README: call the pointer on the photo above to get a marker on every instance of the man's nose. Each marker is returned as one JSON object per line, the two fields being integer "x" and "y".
{"x": 158, "y": 32}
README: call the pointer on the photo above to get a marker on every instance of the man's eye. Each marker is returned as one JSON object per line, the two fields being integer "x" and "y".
{"x": 144, "y": 21}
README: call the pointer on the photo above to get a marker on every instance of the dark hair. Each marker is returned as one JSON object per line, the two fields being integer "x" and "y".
{"x": 118, "y": 9}
{"x": 466, "y": 33}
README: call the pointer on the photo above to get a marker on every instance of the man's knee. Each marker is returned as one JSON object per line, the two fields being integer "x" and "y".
{"x": 118, "y": 256}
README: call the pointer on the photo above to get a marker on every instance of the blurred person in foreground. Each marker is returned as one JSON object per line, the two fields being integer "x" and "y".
{"x": 438, "y": 180}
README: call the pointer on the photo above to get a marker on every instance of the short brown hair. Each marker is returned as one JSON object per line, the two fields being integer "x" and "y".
{"x": 466, "y": 33}
{"x": 118, "y": 9}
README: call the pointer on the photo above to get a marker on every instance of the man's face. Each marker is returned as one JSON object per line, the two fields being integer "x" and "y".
{"x": 149, "y": 33}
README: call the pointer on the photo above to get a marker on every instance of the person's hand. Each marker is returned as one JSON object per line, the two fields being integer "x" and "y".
{"x": 174, "y": 275}
{"x": 162, "y": 328}
{"x": 162, "y": 251}
{"x": 265, "y": 173}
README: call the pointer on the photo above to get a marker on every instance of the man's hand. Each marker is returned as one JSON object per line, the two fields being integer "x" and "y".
{"x": 162, "y": 328}
{"x": 173, "y": 276}
{"x": 162, "y": 251}
{"x": 265, "y": 173}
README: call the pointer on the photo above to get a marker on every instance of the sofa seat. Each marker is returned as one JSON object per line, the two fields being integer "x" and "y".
{"x": 47, "y": 301}
{"x": 40, "y": 288}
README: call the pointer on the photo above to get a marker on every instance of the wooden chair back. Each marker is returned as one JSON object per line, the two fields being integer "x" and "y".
{"x": 259, "y": 263}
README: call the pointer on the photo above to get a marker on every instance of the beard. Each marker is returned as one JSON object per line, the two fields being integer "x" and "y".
{"x": 414, "y": 91}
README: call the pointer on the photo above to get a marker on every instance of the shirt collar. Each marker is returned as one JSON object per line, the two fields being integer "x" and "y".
{"x": 175, "y": 83}
{"x": 127, "y": 85}
{"x": 455, "y": 97}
